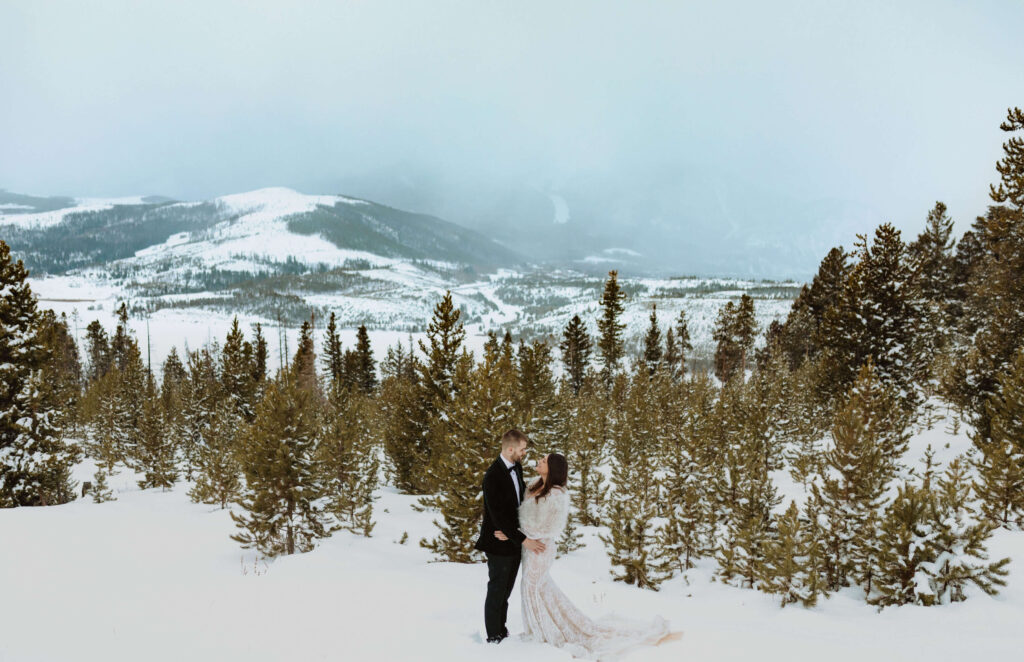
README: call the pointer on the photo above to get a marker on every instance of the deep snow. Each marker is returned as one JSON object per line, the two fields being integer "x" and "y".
{"x": 153, "y": 576}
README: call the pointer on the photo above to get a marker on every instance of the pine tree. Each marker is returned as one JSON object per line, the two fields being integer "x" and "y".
{"x": 673, "y": 362}
{"x": 652, "y": 352}
{"x": 803, "y": 428}
{"x": 869, "y": 436}
{"x": 303, "y": 368}
{"x": 259, "y": 363}
{"x": 403, "y": 419}
{"x": 534, "y": 397}
{"x": 100, "y": 489}
{"x": 784, "y": 571}
{"x": 97, "y": 350}
{"x": 479, "y": 413}
{"x": 683, "y": 338}
{"x": 611, "y": 327}
{"x": 218, "y": 465}
{"x": 366, "y": 374}
{"x": 347, "y": 455}
{"x": 62, "y": 370}
{"x": 587, "y": 435}
{"x": 569, "y": 541}
{"x": 282, "y": 507}
{"x": 200, "y": 398}
{"x": 749, "y": 496}
{"x": 236, "y": 372}
{"x": 632, "y": 515}
{"x": 575, "y": 348}
{"x": 800, "y": 336}
{"x": 687, "y": 532}
{"x": 1001, "y": 465}
{"x": 424, "y": 427}
{"x": 906, "y": 551}
{"x": 156, "y": 454}
{"x": 932, "y": 260}
{"x": 960, "y": 540}
{"x": 334, "y": 358}
{"x": 876, "y": 316}
{"x": 734, "y": 334}
{"x": 35, "y": 460}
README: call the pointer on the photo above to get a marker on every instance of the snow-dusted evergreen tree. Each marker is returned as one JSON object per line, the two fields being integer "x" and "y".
{"x": 803, "y": 429}
{"x": 156, "y": 454}
{"x": 366, "y": 365}
{"x": 993, "y": 318}
{"x": 62, "y": 371}
{"x": 282, "y": 500}
{"x": 610, "y": 343}
{"x": 97, "y": 351}
{"x": 200, "y": 398}
{"x": 348, "y": 456}
{"x": 734, "y": 334}
{"x": 906, "y": 551}
{"x": 103, "y": 431}
{"x": 218, "y": 466}
{"x": 753, "y": 497}
{"x": 303, "y": 366}
{"x": 585, "y": 431}
{"x": 687, "y": 532}
{"x": 868, "y": 438}
{"x": 787, "y": 570}
{"x": 100, "y": 489}
{"x": 634, "y": 504}
{"x": 877, "y": 317}
{"x": 35, "y": 460}
{"x": 652, "y": 357}
{"x": 402, "y": 419}
{"x": 236, "y": 373}
{"x": 480, "y": 412}
{"x": 1001, "y": 465}
{"x": 424, "y": 427}
{"x": 677, "y": 344}
{"x": 571, "y": 538}
{"x": 932, "y": 262}
{"x": 961, "y": 556}
{"x": 534, "y": 403}
{"x": 575, "y": 348}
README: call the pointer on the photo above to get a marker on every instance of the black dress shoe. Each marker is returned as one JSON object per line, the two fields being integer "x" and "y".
{"x": 495, "y": 640}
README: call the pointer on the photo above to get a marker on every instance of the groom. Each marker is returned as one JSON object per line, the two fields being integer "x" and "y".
{"x": 503, "y": 492}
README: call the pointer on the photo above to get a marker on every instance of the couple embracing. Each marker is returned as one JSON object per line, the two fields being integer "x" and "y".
{"x": 521, "y": 525}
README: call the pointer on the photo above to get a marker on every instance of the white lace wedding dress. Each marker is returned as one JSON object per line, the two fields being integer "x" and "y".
{"x": 549, "y": 616}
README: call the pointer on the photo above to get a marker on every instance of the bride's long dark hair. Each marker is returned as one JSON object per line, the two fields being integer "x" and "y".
{"x": 558, "y": 474}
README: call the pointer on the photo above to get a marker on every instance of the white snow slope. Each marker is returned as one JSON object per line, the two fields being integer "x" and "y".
{"x": 155, "y": 577}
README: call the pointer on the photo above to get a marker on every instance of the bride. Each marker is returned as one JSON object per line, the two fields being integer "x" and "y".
{"x": 548, "y": 615}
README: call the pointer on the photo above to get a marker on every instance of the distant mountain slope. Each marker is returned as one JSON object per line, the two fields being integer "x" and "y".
{"x": 274, "y": 225}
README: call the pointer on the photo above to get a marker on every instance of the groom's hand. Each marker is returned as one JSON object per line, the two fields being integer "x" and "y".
{"x": 535, "y": 546}
{"x": 500, "y": 536}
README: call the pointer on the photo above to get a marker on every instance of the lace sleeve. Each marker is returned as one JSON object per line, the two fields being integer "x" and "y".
{"x": 551, "y": 516}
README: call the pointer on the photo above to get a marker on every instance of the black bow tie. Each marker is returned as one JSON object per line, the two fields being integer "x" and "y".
{"x": 512, "y": 468}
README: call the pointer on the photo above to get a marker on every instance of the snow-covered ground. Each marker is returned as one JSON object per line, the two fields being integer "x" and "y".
{"x": 153, "y": 576}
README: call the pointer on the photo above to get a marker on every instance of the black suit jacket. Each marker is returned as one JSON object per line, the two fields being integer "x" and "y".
{"x": 501, "y": 511}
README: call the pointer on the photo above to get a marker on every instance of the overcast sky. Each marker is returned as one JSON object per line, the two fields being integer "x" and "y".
{"x": 893, "y": 104}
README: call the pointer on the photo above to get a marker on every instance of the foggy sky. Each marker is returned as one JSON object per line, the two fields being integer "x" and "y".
{"x": 889, "y": 104}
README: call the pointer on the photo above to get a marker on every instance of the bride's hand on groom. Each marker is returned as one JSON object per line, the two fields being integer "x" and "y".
{"x": 530, "y": 544}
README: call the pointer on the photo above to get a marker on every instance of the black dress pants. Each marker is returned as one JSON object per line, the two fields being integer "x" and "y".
{"x": 501, "y": 577}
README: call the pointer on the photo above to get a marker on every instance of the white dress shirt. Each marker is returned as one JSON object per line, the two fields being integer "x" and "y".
{"x": 515, "y": 477}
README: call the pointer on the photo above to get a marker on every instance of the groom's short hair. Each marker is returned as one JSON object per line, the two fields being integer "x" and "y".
{"x": 513, "y": 437}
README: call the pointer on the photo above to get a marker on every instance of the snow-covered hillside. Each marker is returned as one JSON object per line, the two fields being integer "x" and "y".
{"x": 153, "y": 576}
{"x": 278, "y": 257}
